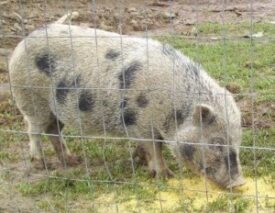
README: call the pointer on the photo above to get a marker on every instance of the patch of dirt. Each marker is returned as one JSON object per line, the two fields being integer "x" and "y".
{"x": 23, "y": 172}
{"x": 9, "y": 114}
{"x": 260, "y": 115}
{"x": 13, "y": 201}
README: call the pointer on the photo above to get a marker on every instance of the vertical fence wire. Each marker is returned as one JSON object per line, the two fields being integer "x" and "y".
{"x": 180, "y": 164}
{"x": 252, "y": 95}
{"x": 225, "y": 77}
{"x": 199, "y": 99}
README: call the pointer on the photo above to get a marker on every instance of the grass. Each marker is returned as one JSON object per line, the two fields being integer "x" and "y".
{"x": 250, "y": 65}
{"x": 265, "y": 158}
{"x": 236, "y": 29}
{"x": 221, "y": 204}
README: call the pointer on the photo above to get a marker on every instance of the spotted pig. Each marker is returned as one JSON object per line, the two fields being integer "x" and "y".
{"x": 100, "y": 82}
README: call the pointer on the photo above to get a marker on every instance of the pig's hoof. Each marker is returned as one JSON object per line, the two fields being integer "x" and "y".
{"x": 73, "y": 160}
{"x": 41, "y": 164}
{"x": 164, "y": 173}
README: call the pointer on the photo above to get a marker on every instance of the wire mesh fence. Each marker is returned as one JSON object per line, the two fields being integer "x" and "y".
{"x": 146, "y": 129}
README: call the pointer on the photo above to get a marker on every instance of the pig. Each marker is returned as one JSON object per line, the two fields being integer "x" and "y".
{"x": 102, "y": 82}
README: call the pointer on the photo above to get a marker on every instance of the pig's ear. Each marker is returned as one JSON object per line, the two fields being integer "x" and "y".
{"x": 203, "y": 114}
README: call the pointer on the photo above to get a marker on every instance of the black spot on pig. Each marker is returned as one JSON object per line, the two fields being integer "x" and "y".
{"x": 127, "y": 74}
{"x": 142, "y": 101}
{"x": 170, "y": 121}
{"x": 129, "y": 117}
{"x": 187, "y": 151}
{"x": 86, "y": 101}
{"x": 231, "y": 162}
{"x": 123, "y": 103}
{"x": 112, "y": 54}
{"x": 61, "y": 92}
{"x": 64, "y": 87}
{"x": 46, "y": 63}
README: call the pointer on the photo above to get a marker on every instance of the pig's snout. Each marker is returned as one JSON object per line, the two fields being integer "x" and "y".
{"x": 236, "y": 182}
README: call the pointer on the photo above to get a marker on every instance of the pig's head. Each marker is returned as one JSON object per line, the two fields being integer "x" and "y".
{"x": 204, "y": 146}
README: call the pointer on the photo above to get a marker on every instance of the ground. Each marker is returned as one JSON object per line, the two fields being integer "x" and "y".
{"x": 236, "y": 46}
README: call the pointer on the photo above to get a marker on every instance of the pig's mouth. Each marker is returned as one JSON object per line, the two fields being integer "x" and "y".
{"x": 233, "y": 182}
{"x": 236, "y": 182}
{"x": 229, "y": 184}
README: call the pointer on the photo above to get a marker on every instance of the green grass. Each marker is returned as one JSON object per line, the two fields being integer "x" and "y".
{"x": 238, "y": 204}
{"x": 7, "y": 143}
{"x": 236, "y": 29}
{"x": 265, "y": 159}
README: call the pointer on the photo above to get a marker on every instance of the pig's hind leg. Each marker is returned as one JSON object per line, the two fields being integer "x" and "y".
{"x": 63, "y": 153}
{"x": 52, "y": 128}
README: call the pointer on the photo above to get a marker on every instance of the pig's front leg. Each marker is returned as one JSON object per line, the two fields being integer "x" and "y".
{"x": 151, "y": 153}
